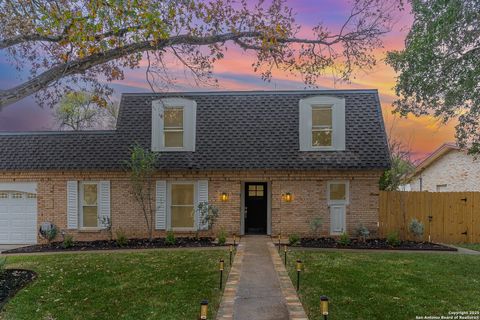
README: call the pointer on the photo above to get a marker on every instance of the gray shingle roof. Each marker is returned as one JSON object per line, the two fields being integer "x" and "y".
{"x": 235, "y": 130}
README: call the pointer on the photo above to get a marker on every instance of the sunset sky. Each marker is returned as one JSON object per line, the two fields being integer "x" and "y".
{"x": 235, "y": 73}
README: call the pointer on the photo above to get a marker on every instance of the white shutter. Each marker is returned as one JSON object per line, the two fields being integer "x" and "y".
{"x": 157, "y": 125}
{"x": 72, "y": 204}
{"x": 161, "y": 205}
{"x": 305, "y": 126}
{"x": 202, "y": 196}
{"x": 104, "y": 209}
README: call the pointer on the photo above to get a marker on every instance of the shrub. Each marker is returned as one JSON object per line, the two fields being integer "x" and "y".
{"x": 416, "y": 228}
{"x": 294, "y": 239}
{"x": 222, "y": 237}
{"x": 48, "y": 231}
{"x": 344, "y": 239}
{"x": 121, "y": 239}
{"x": 67, "y": 241}
{"x": 170, "y": 239}
{"x": 363, "y": 233}
{"x": 392, "y": 239}
{"x": 316, "y": 225}
{"x": 3, "y": 263}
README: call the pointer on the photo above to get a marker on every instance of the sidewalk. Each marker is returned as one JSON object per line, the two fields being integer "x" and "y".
{"x": 259, "y": 294}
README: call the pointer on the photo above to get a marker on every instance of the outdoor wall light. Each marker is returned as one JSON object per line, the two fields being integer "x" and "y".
{"x": 224, "y": 196}
{"x": 324, "y": 306}
{"x": 287, "y": 197}
{"x": 204, "y": 309}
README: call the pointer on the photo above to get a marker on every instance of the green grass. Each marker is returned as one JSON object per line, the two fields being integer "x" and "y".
{"x": 471, "y": 246}
{"x": 157, "y": 284}
{"x": 368, "y": 286}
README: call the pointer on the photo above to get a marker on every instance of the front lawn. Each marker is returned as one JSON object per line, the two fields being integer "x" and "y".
{"x": 158, "y": 284}
{"x": 367, "y": 286}
{"x": 471, "y": 246}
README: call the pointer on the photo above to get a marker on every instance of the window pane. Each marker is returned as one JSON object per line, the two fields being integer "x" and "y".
{"x": 3, "y": 195}
{"x": 182, "y": 217}
{"x": 173, "y": 118}
{"x": 90, "y": 194}
{"x": 90, "y": 219}
{"x": 322, "y": 116}
{"x": 260, "y": 188}
{"x": 182, "y": 194}
{"x": 338, "y": 191}
{"x": 174, "y": 139}
{"x": 17, "y": 195}
{"x": 322, "y": 138}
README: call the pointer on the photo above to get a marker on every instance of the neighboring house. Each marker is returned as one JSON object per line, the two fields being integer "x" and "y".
{"x": 447, "y": 169}
{"x": 270, "y": 161}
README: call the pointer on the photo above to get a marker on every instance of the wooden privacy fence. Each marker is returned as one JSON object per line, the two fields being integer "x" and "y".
{"x": 449, "y": 217}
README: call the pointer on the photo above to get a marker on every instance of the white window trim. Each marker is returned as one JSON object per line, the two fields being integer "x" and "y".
{"x": 80, "y": 206}
{"x": 169, "y": 205}
{"x": 338, "y": 123}
{"x": 347, "y": 193}
{"x": 189, "y": 123}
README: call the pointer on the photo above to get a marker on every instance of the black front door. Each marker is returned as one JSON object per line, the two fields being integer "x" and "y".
{"x": 256, "y": 207}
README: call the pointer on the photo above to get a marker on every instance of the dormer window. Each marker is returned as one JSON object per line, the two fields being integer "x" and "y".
{"x": 173, "y": 124}
{"x": 173, "y": 127}
{"x": 322, "y": 127}
{"x": 322, "y": 124}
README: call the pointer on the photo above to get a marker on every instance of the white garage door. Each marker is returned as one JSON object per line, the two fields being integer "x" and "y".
{"x": 18, "y": 214}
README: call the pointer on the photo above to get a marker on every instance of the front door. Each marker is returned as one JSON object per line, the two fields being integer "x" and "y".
{"x": 256, "y": 207}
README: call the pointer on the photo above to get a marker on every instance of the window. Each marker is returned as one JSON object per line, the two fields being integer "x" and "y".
{"x": 182, "y": 206}
{"x": 17, "y": 195}
{"x": 441, "y": 187}
{"x": 338, "y": 192}
{"x": 255, "y": 190}
{"x": 173, "y": 127}
{"x": 31, "y": 196}
{"x": 322, "y": 124}
{"x": 89, "y": 205}
{"x": 173, "y": 124}
{"x": 3, "y": 195}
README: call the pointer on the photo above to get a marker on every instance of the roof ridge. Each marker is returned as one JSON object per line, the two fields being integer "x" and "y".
{"x": 247, "y": 92}
{"x": 41, "y": 133}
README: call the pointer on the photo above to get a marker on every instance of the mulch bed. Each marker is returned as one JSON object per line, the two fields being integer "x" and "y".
{"x": 374, "y": 244}
{"x": 112, "y": 244}
{"x": 11, "y": 281}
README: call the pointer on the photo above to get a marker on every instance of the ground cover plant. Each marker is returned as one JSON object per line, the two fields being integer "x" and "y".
{"x": 157, "y": 284}
{"x": 383, "y": 286}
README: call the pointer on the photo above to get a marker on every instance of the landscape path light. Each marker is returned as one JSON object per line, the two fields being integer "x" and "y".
{"x": 231, "y": 251}
{"x": 285, "y": 251}
{"x": 221, "y": 267}
{"x": 299, "y": 269}
{"x": 324, "y": 307}
{"x": 203, "y": 310}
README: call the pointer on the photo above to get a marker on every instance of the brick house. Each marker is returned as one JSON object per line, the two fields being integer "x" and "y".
{"x": 269, "y": 161}
{"x": 447, "y": 169}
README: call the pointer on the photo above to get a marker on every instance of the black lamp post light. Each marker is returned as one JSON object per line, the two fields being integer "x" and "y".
{"x": 324, "y": 307}
{"x": 299, "y": 269}
{"x": 234, "y": 239}
{"x": 203, "y": 310}
{"x": 285, "y": 252}
{"x": 231, "y": 252}
{"x": 221, "y": 267}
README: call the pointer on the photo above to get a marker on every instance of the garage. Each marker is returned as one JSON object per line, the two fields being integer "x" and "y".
{"x": 18, "y": 213}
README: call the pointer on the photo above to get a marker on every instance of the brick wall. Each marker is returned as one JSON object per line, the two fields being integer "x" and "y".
{"x": 309, "y": 190}
{"x": 456, "y": 171}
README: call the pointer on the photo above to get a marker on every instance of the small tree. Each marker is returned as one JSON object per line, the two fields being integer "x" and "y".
{"x": 208, "y": 214}
{"x": 416, "y": 228}
{"x": 141, "y": 167}
{"x": 316, "y": 225}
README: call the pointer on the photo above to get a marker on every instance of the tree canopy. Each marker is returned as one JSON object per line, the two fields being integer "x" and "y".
{"x": 439, "y": 69}
{"x": 66, "y": 44}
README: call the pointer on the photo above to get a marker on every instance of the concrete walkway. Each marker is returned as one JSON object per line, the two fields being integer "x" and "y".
{"x": 259, "y": 294}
